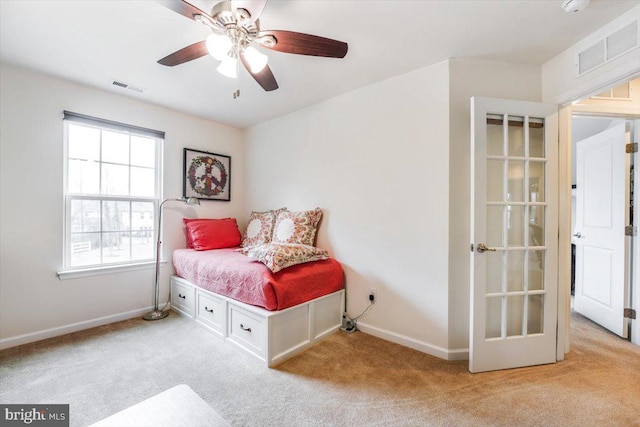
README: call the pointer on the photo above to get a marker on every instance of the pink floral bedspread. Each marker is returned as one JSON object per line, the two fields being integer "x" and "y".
{"x": 228, "y": 272}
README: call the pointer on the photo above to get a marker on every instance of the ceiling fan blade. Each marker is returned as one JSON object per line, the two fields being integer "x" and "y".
{"x": 182, "y": 7}
{"x": 305, "y": 44}
{"x": 264, "y": 78}
{"x": 254, "y": 7}
{"x": 189, "y": 53}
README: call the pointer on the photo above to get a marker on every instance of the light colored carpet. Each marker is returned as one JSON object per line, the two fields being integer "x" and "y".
{"x": 345, "y": 380}
{"x": 178, "y": 406}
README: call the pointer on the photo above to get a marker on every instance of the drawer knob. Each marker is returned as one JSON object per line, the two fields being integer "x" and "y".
{"x": 210, "y": 310}
{"x": 182, "y": 296}
{"x": 245, "y": 329}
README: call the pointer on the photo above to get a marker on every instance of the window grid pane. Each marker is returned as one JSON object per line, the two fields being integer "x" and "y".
{"x": 517, "y": 309}
{"x": 112, "y": 196}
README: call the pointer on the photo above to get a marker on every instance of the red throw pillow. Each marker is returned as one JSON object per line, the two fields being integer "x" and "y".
{"x": 189, "y": 239}
{"x": 205, "y": 234}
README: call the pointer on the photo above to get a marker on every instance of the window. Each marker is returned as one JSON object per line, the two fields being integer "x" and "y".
{"x": 111, "y": 191}
{"x": 620, "y": 92}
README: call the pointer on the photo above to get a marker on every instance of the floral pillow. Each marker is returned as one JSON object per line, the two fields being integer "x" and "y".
{"x": 260, "y": 228}
{"x": 277, "y": 256}
{"x": 296, "y": 227}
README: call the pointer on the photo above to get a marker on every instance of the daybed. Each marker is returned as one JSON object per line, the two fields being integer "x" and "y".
{"x": 271, "y": 315}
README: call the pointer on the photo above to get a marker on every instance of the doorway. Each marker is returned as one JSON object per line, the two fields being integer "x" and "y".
{"x": 613, "y": 114}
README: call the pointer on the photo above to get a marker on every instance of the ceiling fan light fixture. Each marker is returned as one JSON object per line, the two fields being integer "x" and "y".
{"x": 202, "y": 19}
{"x": 257, "y": 60}
{"x": 236, "y": 30}
{"x": 229, "y": 67}
{"x": 218, "y": 46}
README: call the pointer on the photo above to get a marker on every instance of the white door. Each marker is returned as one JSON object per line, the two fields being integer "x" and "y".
{"x": 601, "y": 171}
{"x": 514, "y": 232}
{"x": 635, "y": 251}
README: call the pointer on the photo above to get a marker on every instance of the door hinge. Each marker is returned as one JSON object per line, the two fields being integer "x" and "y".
{"x": 629, "y": 313}
{"x": 630, "y": 230}
{"x": 631, "y": 148}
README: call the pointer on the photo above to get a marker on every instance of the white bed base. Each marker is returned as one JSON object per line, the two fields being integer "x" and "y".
{"x": 271, "y": 336}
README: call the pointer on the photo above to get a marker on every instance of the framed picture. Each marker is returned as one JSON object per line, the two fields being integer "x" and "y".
{"x": 207, "y": 176}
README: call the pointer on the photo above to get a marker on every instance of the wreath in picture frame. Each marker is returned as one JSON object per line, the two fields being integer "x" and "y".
{"x": 203, "y": 178}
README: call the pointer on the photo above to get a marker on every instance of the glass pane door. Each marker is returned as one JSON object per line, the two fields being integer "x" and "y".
{"x": 515, "y": 226}
{"x": 514, "y": 232}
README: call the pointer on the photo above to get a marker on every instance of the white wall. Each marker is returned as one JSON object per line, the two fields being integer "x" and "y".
{"x": 376, "y": 161}
{"x": 34, "y": 303}
{"x": 560, "y": 82}
{"x": 389, "y": 164}
{"x": 472, "y": 78}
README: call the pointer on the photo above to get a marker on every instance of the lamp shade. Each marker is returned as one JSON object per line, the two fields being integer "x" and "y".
{"x": 218, "y": 46}
{"x": 257, "y": 61}
{"x": 228, "y": 67}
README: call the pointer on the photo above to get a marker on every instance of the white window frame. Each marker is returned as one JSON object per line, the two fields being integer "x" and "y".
{"x": 69, "y": 271}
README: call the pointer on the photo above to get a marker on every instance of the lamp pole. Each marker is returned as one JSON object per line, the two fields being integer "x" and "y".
{"x": 158, "y": 314}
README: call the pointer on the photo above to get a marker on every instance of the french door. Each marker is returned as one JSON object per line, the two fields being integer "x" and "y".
{"x": 514, "y": 234}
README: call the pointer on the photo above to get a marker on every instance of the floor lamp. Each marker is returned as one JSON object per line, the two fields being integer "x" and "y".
{"x": 158, "y": 314}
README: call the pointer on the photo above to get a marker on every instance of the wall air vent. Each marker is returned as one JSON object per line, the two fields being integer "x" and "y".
{"x": 622, "y": 40}
{"x": 608, "y": 48}
{"x": 591, "y": 58}
{"x": 123, "y": 85}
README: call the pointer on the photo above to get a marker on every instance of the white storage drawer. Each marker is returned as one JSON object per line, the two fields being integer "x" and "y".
{"x": 247, "y": 330}
{"x": 183, "y": 297}
{"x": 271, "y": 336}
{"x": 211, "y": 312}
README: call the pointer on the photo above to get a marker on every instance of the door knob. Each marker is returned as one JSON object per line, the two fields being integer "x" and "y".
{"x": 483, "y": 248}
{"x": 578, "y": 235}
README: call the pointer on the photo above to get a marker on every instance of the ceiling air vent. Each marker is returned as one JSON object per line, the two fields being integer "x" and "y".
{"x": 123, "y": 85}
{"x": 607, "y": 49}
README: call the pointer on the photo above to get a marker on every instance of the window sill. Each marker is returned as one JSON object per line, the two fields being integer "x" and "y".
{"x": 98, "y": 271}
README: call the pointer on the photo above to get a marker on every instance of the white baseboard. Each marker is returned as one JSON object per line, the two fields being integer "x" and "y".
{"x": 433, "y": 350}
{"x": 459, "y": 354}
{"x": 74, "y": 327}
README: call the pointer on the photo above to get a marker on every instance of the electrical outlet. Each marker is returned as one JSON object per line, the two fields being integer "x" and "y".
{"x": 373, "y": 292}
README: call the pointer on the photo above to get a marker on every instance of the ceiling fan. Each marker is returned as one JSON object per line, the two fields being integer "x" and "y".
{"x": 236, "y": 29}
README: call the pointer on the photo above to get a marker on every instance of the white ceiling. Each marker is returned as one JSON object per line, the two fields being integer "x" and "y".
{"x": 94, "y": 42}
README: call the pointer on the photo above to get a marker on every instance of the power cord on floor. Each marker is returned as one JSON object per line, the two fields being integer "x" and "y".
{"x": 349, "y": 324}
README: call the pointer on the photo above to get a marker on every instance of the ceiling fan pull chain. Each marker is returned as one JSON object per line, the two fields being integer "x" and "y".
{"x": 236, "y": 93}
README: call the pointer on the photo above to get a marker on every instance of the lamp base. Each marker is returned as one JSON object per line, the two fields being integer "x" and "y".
{"x": 155, "y": 315}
